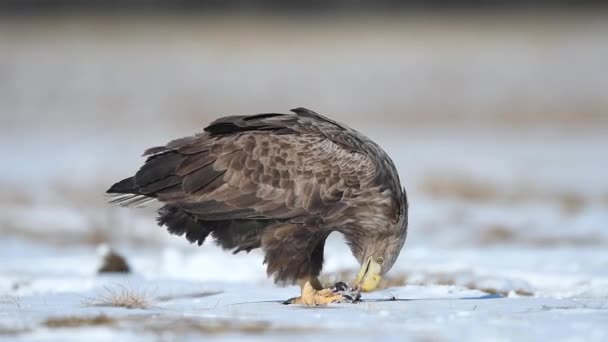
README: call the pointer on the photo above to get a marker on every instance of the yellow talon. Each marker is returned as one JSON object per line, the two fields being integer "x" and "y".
{"x": 312, "y": 297}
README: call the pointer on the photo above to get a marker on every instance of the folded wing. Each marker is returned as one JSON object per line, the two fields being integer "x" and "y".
{"x": 266, "y": 166}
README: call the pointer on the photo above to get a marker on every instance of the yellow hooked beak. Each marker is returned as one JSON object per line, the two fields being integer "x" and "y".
{"x": 369, "y": 276}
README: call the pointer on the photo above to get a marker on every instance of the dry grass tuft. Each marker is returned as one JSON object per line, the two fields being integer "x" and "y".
{"x": 132, "y": 299}
{"x": 77, "y": 322}
{"x": 121, "y": 297}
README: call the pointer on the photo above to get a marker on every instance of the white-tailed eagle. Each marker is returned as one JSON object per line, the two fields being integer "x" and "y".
{"x": 282, "y": 183}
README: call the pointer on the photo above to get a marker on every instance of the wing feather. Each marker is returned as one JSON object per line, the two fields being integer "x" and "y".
{"x": 265, "y": 166}
{"x": 194, "y": 162}
{"x": 163, "y": 184}
{"x": 194, "y": 182}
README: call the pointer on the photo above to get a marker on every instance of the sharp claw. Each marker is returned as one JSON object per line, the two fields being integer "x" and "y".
{"x": 289, "y": 301}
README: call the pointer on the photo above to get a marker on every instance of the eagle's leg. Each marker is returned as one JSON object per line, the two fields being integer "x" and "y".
{"x": 314, "y": 282}
{"x": 313, "y": 294}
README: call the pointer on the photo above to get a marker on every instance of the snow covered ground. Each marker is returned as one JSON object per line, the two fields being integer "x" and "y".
{"x": 42, "y": 286}
{"x": 500, "y": 140}
{"x": 504, "y": 246}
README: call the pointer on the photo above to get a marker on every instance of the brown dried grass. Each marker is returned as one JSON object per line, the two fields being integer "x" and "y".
{"x": 121, "y": 297}
{"x": 500, "y": 234}
{"x": 495, "y": 234}
{"x": 176, "y": 325}
{"x": 477, "y": 191}
{"x": 77, "y": 322}
{"x": 221, "y": 326}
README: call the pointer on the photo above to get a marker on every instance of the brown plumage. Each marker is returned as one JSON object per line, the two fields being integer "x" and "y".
{"x": 280, "y": 182}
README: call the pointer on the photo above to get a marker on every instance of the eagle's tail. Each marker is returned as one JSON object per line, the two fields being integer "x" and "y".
{"x": 125, "y": 186}
{"x": 125, "y": 194}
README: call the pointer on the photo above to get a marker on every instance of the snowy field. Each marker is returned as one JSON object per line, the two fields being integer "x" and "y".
{"x": 505, "y": 260}
{"x": 508, "y": 237}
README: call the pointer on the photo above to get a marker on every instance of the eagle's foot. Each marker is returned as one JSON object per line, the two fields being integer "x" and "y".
{"x": 339, "y": 293}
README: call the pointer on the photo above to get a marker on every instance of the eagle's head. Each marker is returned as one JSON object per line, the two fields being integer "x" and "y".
{"x": 378, "y": 251}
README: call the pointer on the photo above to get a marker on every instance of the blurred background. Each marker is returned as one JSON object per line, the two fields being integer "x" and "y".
{"x": 496, "y": 115}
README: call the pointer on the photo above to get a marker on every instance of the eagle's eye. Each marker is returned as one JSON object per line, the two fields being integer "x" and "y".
{"x": 380, "y": 260}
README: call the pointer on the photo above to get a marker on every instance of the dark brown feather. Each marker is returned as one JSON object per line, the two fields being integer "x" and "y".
{"x": 197, "y": 180}
{"x": 217, "y": 211}
{"x": 194, "y": 162}
{"x": 179, "y": 222}
{"x": 163, "y": 184}
{"x": 157, "y": 167}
